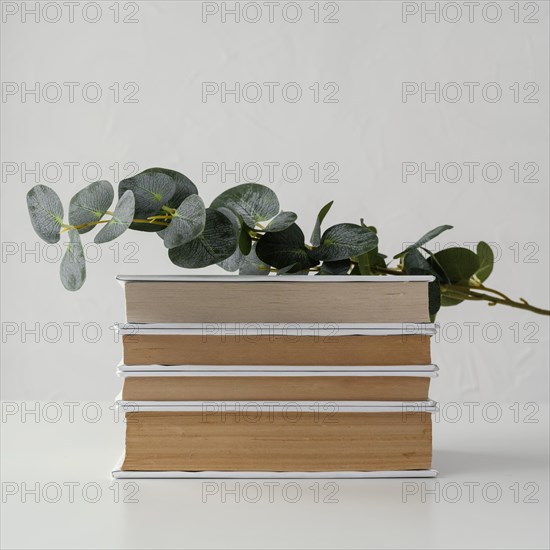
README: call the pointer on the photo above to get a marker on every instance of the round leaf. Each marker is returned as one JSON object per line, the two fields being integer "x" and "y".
{"x": 46, "y": 212}
{"x": 343, "y": 241}
{"x": 216, "y": 243}
{"x": 458, "y": 264}
{"x": 252, "y": 265}
{"x": 184, "y": 186}
{"x": 414, "y": 263}
{"x": 340, "y": 267}
{"x": 121, "y": 220}
{"x": 90, "y": 204}
{"x": 73, "y": 264}
{"x": 234, "y": 262}
{"x": 486, "y": 261}
{"x": 281, "y": 221}
{"x": 152, "y": 190}
{"x": 187, "y": 224}
{"x": 245, "y": 240}
{"x": 251, "y": 201}
{"x": 285, "y": 248}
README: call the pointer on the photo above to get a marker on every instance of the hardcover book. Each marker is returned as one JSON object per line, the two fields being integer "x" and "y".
{"x": 280, "y": 299}
{"x": 278, "y": 436}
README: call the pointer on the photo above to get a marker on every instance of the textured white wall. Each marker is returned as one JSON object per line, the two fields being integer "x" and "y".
{"x": 161, "y": 62}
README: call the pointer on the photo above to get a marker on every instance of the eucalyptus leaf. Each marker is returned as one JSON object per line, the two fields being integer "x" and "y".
{"x": 184, "y": 186}
{"x": 252, "y": 265}
{"x": 370, "y": 262}
{"x": 46, "y": 212}
{"x": 217, "y": 242}
{"x": 414, "y": 260}
{"x": 152, "y": 190}
{"x": 281, "y": 221}
{"x": 293, "y": 269}
{"x": 459, "y": 264}
{"x": 253, "y": 202}
{"x": 425, "y": 238}
{"x": 234, "y": 262}
{"x": 448, "y": 302}
{"x": 73, "y": 265}
{"x": 343, "y": 241}
{"x": 187, "y": 222}
{"x": 285, "y": 248}
{"x": 414, "y": 263}
{"x": 339, "y": 267}
{"x": 316, "y": 235}
{"x": 90, "y": 204}
{"x": 434, "y": 299}
{"x": 121, "y": 220}
{"x": 486, "y": 259}
{"x": 245, "y": 240}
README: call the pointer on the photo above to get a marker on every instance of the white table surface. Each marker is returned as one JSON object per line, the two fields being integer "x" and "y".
{"x": 472, "y": 457}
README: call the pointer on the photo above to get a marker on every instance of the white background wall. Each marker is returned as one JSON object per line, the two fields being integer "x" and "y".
{"x": 368, "y": 132}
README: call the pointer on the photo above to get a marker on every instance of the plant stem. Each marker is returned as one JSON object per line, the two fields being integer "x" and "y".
{"x": 458, "y": 292}
{"x": 89, "y": 224}
{"x": 388, "y": 271}
{"x": 151, "y": 221}
{"x": 83, "y": 225}
{"x": 486, "y": 289}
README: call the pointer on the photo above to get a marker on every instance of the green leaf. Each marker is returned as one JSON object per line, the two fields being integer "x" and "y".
{"x": 245, "y": 240}
{"x": 46, "y": 212}
{"x": 434, "y": 299}
{"x": 368, "y": 262}
{"x": 90, "y": 204}
{"x": 73, "y": 264}
{"x": 216, "y": 243}
{"x": 293, "y": 269}
{"x": 281, "y": 221}
{"x": 187, "y": 224}
{"x": 121, "y": 220}
{"x": 316, "y": 235}
{"x": 285, "y": 248}
{"x": 458, "y": 264}
{"x": 425, "y": 238}
{"x": 447, "y": 302}
{"x": 152, "y": 190}
{"x": 343, "y": 241}
{"x": 486, "y": 261}
{"x": 252, "y": 265}
{"x": 414, "y": 263}
{"x": 251, "y": 201}
{"x": 340, "y": 267}
{"x": 234, "y": 262}
{"x": 184, "y": 186}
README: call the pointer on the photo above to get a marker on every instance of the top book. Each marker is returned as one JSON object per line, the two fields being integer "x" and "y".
{"x": 276, "y": 299}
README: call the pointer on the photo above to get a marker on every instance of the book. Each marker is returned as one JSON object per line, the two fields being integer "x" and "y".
{"x": 201, "y": 384}
{"x": 118, "y": 473}
{"x": 282, "y": 376}
{"x": 279, "y": 437}
{"x": 408, "y": 344}
{"x": 280, "y": 299}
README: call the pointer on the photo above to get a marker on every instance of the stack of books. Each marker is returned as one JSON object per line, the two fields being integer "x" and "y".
{"x": 277, "y": 376}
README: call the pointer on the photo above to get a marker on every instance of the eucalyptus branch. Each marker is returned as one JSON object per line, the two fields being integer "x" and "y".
{"x": 457, "y": 292}
{"x": 486, "y": 289}
{"x": 244, "y": 230}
